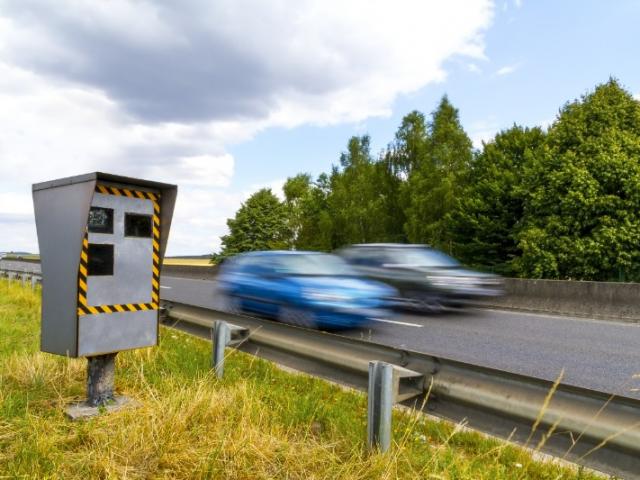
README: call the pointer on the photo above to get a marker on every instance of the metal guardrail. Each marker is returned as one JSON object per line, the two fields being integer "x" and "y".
{"x": 591, "y": 428}
{"x": 32, "y": 277}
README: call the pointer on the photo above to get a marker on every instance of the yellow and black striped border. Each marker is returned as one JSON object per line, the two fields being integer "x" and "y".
{"x": 83, "y": 308}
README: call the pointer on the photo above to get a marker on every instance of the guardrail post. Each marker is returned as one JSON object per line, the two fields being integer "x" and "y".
{"x": 33, "y": 282}
{"x": 380, "y": 405}
{"x": 23, "y": 279}
{"x": 220, "y": 337}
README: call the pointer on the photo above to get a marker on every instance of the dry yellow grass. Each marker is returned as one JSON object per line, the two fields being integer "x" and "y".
{"x": 257, "y": 423}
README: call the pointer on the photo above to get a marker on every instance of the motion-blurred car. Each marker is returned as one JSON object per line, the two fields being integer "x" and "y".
{"x": 308, "y": 289}
{"x": 426, "y": 279}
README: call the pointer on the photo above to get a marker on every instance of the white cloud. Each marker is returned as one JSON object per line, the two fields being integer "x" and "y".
{"x": 473, "y": 68}
{"x": 160, "y": 91}
{"x": 200, "y": 170}
{"x": 507, "y": 69}
{"x": 637, "y": 96}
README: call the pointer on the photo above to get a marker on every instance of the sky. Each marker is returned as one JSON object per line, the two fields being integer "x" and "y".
{"x": 223, "y": 97}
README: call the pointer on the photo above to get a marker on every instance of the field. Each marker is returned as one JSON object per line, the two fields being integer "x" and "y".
{"x": 198, "y": 262}
{"x": 259, "y": 422}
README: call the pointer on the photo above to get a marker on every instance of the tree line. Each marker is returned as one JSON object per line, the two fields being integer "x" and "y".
{"x": 561, "y": 202}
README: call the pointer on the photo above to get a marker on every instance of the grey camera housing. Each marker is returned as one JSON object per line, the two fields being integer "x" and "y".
{"x": 102, "y": 239}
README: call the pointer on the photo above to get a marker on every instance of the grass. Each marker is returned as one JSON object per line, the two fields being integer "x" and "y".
{"x": 259, "y": 422}
{"x": 199, "y": 262}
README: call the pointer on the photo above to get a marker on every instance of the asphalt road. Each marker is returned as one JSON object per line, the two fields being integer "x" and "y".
{"x": 595, "y": 354}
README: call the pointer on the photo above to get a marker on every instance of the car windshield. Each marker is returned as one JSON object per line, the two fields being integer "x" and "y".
{"x": 423, "y": 257}
{"x": 315, "y": 264}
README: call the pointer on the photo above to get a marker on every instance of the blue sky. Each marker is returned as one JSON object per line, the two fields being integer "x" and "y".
{"x": 550, "y": 52}
{"x": 228, "y": 96}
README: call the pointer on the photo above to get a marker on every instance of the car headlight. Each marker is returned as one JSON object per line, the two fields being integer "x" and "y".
{"x": 321, "y": 296}
{"x": 444, "y": 281}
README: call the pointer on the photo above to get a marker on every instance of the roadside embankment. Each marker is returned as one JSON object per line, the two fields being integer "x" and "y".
{"x": 257, "y": 422}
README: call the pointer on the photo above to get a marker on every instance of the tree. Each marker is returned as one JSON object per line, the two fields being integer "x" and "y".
{"x": 350, "y": 201}
{"x": 362, "y": 202}
{"x": 259, "y": 224}
{"x": 296, "y": 192}
{"x": 310, "y": 225}
{"x": 490, "y": 208}
{"x": 436, "y": 180}
{"x": 582, "y": 216}
{"x": 410, "y": 147}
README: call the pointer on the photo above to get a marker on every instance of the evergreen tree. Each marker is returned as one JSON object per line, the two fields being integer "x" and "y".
{"x": 582, "y": 217}
{"x": 259, "y": 224}
{"x": 437, "y": 179}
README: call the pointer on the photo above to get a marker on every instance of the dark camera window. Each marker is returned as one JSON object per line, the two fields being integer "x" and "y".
{"x": 100, "y": 259}
{"x": 101, "y": 220}
{"x": 137, "y": 225}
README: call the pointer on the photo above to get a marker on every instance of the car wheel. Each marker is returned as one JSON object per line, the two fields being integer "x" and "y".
{"x": 425, "y": 303}
{"x": 297, "y": 317}
{"x": 231, "y": 304}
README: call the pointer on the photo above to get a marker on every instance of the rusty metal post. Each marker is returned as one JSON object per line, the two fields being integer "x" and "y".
{"x": 100, "y": 379}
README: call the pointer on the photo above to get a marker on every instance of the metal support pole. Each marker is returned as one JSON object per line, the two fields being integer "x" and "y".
{"x": 100, "y": 379}
{"x": 380, "y": 404}
{"x": 220, "y": 338}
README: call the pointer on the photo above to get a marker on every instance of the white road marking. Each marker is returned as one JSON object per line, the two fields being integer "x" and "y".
{"x": 162, "y": 286}
{"x": 406, "y": 324}
{"x": 620, "y": 322}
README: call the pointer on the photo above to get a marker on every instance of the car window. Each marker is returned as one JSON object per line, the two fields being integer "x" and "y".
{"x": 423, "y": 257}
{"x": 313, "y": 264}
{"x": 373, "y": 258}
{"x": 254, "y": 265}
{"x": 366, "y": 257}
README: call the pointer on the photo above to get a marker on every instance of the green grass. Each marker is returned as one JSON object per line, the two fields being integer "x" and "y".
{"x": 258, "y": 422}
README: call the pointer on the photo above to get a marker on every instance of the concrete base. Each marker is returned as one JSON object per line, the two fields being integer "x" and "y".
{"x": 83, "y": 411}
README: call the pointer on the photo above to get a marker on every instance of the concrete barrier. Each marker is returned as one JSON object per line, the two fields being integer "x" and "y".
{"x": 603, "y": 300}
{"x": 27, "y": 266}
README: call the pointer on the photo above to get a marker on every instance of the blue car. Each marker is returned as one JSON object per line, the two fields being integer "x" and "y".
{"x": 309, "y": 289}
